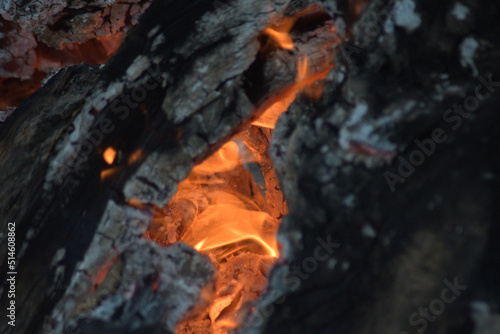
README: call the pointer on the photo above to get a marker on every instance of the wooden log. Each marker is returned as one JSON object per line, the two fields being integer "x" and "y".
{"x": 167, "y": 99}
{"x": 374, "y": 235}
{"x": 392, "y": 181}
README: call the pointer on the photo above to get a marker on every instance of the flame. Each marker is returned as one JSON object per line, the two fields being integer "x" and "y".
{"x": 109, "y": 172}
{"x": 306, "y": 81}
{"x": 217, "y": 209}
{"x": 283, "y": 39}
{"x": 212, "y": 214}
{"x": 279, "y": 32}
{"x": 225, "y": 159}
{"x": 109, "y": 155}
{"x": 270, "y": 116}
{"x": 229, "y": 221}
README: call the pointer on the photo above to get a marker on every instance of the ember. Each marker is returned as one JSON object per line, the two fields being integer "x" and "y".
{"x": 109, "y": 155}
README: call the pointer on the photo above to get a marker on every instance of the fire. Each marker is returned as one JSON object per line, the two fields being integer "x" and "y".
{"x": 135, "y": 157}
{"x": 282, "y": 38}
{"x": 219, "y": 211}
{"x": 222, "y": 211}
{"x": 306, "y": 82}
{"x": 229, "y": 221}
{"x": 109, "y": 155}
{"x": 279, "y": 32}
{"x": 106, "y": 173}
{"x": 225, "y": 159}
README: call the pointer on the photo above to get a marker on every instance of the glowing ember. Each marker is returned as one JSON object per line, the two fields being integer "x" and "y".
{"x": 225, "y": 159}
{"x": 109, "y": 172}
{"x": 134, "y": 202}
{"x": 109, "y": 155}
{"x": 135, "y": 157}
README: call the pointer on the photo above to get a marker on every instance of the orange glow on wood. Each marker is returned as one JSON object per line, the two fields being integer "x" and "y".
{"x": 134, "y": 202}
{"x": 102, "y": 272}
{"x": 108, "y": 173}
{"x": 230, "y": 218}
{"x": 135, "y": 157}
{"x": 307, "y": 82}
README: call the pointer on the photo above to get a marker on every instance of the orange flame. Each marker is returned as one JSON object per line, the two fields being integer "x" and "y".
{"x": 283, "y": 39}
{"x": 226, "y": 158}
{"x": 279, "y": 32}
{"x": 231, "y": 219}
{"x": 109, "y": 172}
{"x": 306, "y": 79}
{"x": 217, "y": 209}
{"x": 109, "y": 155}
{"x": 135, "y": 157}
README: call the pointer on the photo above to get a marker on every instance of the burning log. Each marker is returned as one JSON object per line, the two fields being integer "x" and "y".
{"x": 390, "y": 193}
{"x": 391, "y": 180}
{"x": 164, "y": 102}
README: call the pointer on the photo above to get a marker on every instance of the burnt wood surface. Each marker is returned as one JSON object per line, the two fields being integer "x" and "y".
{"x": 174, "y": 92}
{"x": 400, "y": 239}
{"x": 180, "y": 85}
{"x": 168, "y": 98}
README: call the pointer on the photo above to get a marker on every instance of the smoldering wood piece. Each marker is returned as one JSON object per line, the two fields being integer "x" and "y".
{"x": 69, "y": 21}
{"x": 169, "y": 97}
{"x": 258, "y": 140}
{"x": 391, "y": 251}
{"x": 238, "y": 281}
{"x": 148, "y": 288}
{"x": 41, "y": 119}
{"x": 315, "y": 42}
{"x": 39, "y": 36}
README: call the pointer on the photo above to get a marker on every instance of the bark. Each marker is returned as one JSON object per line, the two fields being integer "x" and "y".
{"x": 397, "y": 242}
{"x": 32, "y": 30}
{"x": 136, "y": 292}
{"x": 172, "y": 95}
{"x": 188, "y": 77}
{"x": 39, "y": 36}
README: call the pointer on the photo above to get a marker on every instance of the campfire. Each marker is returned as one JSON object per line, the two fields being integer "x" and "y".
{"x": 249, "y": 167}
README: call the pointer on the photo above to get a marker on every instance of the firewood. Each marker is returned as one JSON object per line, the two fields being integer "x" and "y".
{"x": 389, "y": 167}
